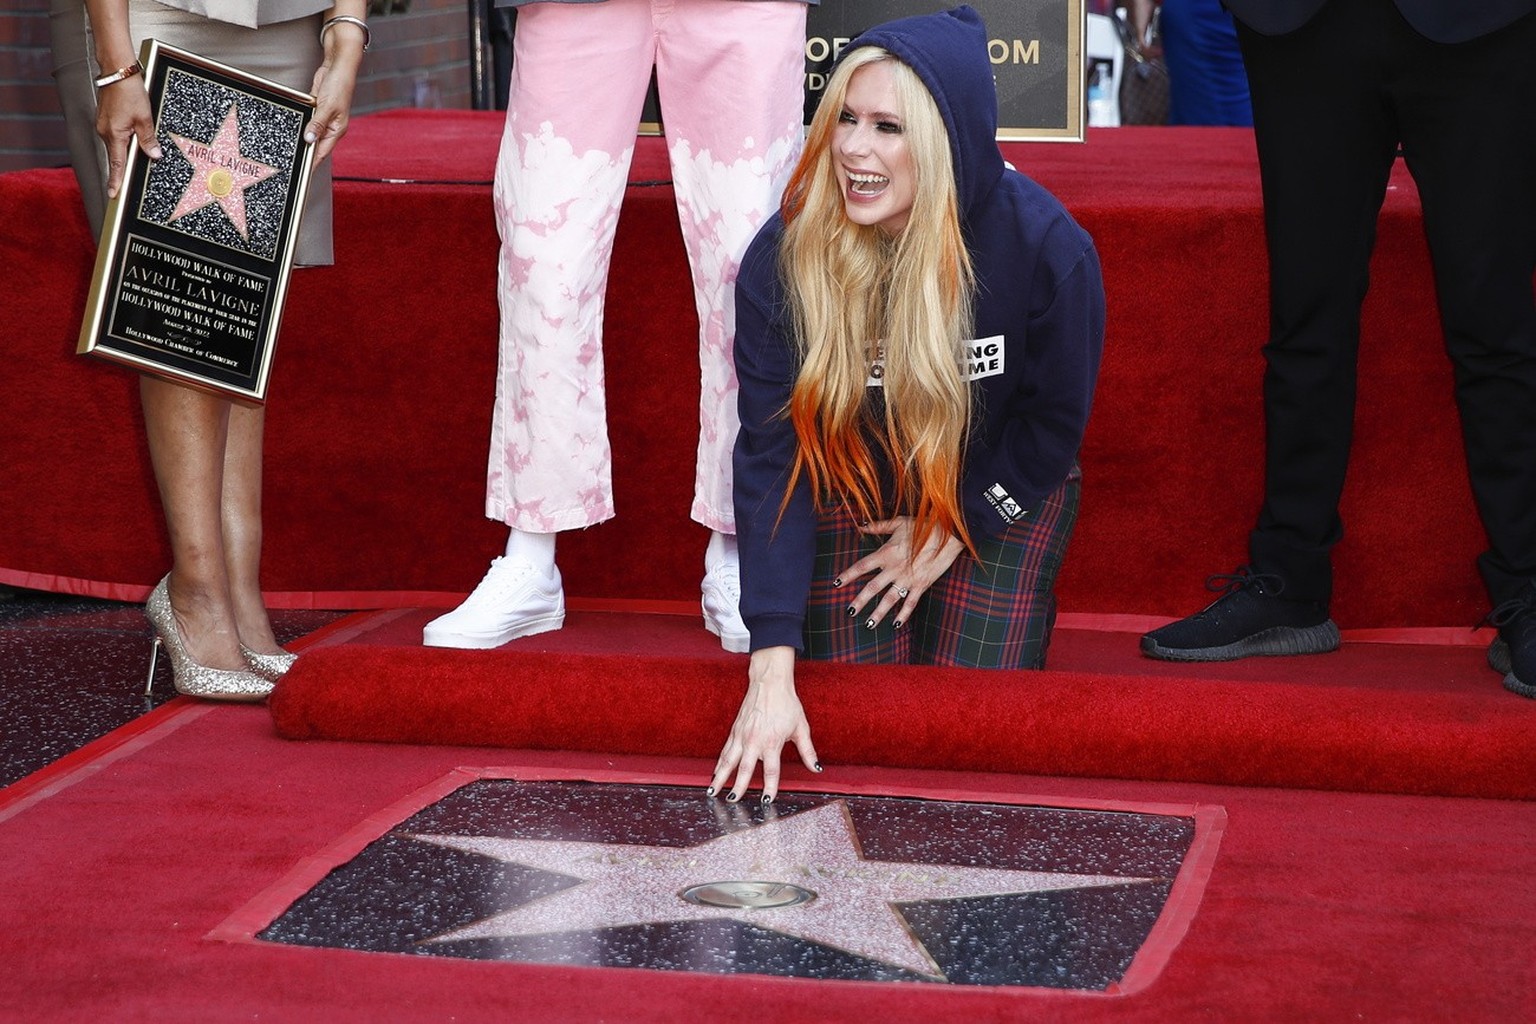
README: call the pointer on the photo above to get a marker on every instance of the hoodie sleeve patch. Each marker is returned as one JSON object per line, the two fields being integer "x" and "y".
{"x": 1003, "y": 504}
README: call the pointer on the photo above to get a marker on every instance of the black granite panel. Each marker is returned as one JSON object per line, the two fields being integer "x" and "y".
{"x": 905, "y": 889}
{"x": 72, "y": 669}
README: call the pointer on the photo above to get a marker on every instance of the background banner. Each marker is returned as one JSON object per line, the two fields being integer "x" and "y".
{"x": 1036, "y": 48}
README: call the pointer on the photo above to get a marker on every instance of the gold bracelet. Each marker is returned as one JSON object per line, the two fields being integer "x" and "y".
{"x": 359, "y": 22}
{"x": 120, "y": 74}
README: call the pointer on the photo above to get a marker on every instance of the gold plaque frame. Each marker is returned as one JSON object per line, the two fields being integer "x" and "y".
{"x": 196, "y": 249}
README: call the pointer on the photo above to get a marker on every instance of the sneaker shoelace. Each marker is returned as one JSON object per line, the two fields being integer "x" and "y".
{"x": 505, "y": 575}
{"x": 1230, "y": 582}
{"x": 728, "y": 576}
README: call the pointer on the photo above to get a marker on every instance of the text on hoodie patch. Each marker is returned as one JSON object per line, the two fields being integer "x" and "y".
{"x": 983, "y": 358}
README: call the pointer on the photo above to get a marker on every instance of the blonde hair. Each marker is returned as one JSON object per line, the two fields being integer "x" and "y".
{"x": 855, "y": 293}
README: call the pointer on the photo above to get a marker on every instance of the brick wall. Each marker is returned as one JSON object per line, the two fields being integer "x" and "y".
{"x": 419, "y": 57}
{"x": 29, "y": 109}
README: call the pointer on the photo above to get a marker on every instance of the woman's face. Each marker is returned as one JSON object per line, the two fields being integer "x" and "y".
{"x": 870, "y": 153}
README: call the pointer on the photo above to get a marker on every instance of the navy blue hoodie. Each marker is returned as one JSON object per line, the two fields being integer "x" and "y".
{"x": 1039, "y": 319}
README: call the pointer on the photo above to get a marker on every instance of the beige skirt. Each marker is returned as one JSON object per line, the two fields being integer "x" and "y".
{"x": 287, "y": 52}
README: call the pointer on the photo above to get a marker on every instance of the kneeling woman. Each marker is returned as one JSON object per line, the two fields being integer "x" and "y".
{"x": 918, "y": 337}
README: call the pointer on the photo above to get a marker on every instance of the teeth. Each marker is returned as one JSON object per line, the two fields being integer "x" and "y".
{"x": 867, "y": 184}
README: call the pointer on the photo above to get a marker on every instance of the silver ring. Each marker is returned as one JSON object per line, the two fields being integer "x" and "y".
{"x": 901, "y": 591}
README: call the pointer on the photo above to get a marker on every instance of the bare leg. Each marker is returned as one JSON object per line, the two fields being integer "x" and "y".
{"x": 242, "y": 527}
{"x": 188, "y": 434}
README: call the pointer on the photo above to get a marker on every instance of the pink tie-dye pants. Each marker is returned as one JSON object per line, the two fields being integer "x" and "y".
{"x": 729, "y": 75}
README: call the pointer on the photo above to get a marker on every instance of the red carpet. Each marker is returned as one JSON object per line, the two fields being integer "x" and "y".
{"x": 121, "y": 865}
{"x": 380, "y": 407}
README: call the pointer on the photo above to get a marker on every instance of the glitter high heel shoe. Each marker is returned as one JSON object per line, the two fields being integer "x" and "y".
{"x": 268, "y": 666}
{"x": 190, "y": 678}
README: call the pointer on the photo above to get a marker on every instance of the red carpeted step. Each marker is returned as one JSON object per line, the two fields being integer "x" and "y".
{"x": 1259, "y": 729}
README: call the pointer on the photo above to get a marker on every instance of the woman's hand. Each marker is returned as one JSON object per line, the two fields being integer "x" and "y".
{"x": 122, "y": 107}
{"x": 334, "y": 82}
{"x": 770, "y": 716}
{"x": 122, "y": 115}
{"x": 901, "y": 575}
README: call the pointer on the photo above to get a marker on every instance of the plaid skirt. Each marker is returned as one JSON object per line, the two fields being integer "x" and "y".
{"x": 992, "y": 611}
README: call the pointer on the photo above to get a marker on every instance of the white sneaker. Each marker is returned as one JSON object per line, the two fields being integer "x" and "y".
{"x": 515, "y": 599}
{"x": 722, "y": 607}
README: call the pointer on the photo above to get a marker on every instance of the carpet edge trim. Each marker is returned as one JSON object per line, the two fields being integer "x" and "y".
{"x": 82, "y": 763}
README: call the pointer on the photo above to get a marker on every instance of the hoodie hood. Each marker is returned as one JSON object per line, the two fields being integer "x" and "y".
{"x": 948, "y": 51}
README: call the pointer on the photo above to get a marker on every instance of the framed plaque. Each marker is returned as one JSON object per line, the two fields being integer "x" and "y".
{"x": 1036, "y": 47}
{"x": 195, "y": 251}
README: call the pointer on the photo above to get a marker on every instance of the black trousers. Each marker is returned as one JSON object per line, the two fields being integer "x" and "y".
{"x": 1332, "y": 102}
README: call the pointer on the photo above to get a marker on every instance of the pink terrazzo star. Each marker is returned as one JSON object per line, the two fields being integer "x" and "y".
{"x": 220, "y": 174}
{"x": 855, "y": 908}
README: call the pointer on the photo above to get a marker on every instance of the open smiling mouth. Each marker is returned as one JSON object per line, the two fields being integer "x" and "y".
{"x": 867, "y": 184}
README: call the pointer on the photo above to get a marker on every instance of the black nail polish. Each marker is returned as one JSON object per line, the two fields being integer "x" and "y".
{"x": 837, "y": 582}
{"x": 767, "y": 799}
{"x": 710, "y": 791}
{"x": 896, "y": 624}
{"x": 733, "y": 798}
{"x": 869, "y": 624}
{"x": 816, "y": 767}
{"x": 852, "y": 611}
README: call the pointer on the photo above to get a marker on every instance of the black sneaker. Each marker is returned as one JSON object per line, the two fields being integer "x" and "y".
{"x": 1249, "y": 619}
{"x": 1513, "y": 651}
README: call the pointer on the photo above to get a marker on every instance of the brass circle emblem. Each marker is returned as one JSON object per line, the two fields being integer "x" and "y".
{"x": 221, "y": 183}
{"x": 748, "y": 895}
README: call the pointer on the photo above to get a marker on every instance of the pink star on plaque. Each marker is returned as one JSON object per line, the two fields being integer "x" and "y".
{"x": 220, "y": 174}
